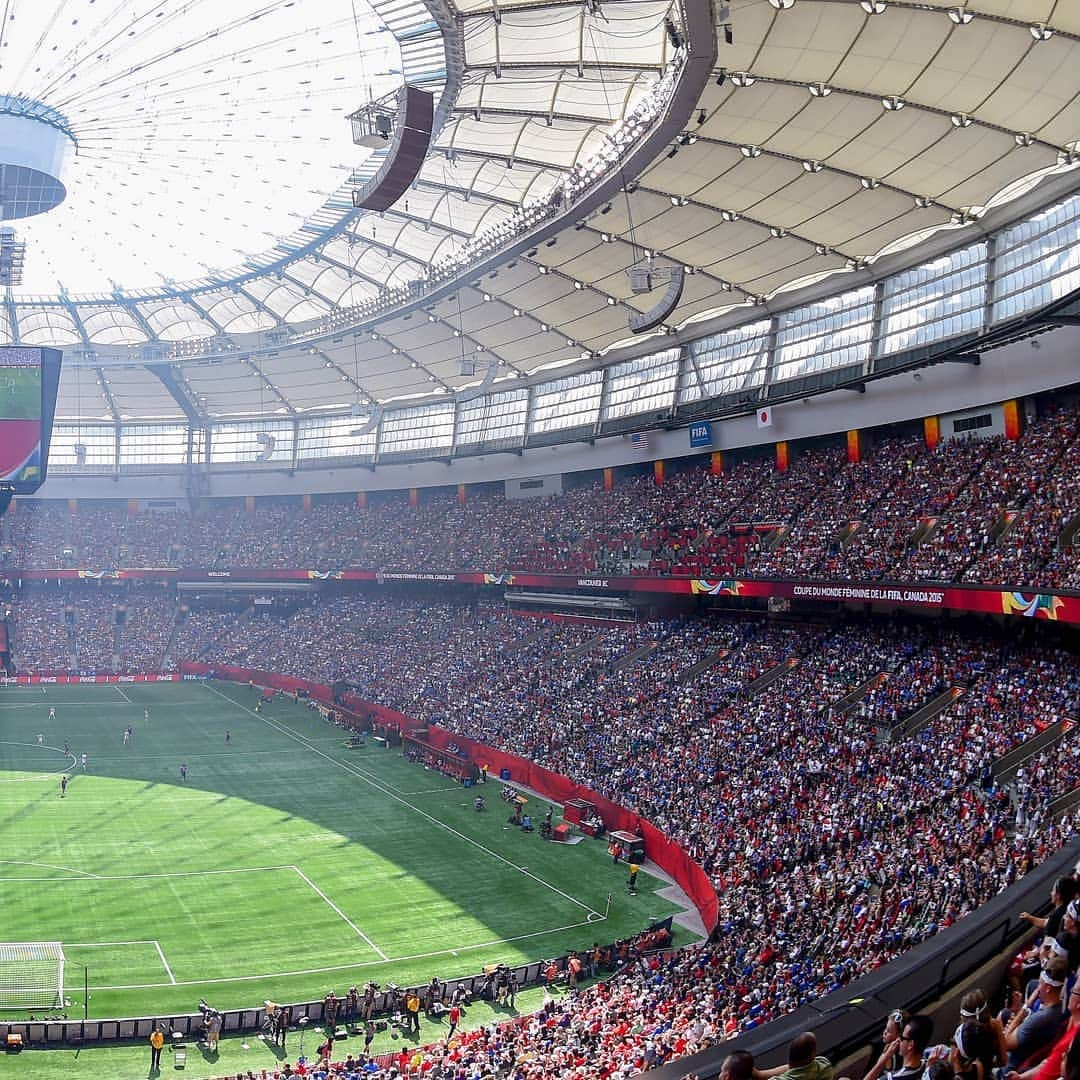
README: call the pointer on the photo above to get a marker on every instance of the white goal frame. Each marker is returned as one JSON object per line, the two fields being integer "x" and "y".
{"x": 31, "y": 975}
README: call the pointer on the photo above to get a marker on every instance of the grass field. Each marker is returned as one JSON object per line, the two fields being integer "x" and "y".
{"x": 20, "y": 393}
{"x": 286, "y": 865}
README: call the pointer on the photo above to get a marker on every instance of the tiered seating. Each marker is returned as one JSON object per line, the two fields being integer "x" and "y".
{"x": 902, "y": 513}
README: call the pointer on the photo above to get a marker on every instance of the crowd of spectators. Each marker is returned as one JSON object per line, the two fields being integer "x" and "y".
{"x": 982, "y": 510}
{"x": 834, "y": 842}
{"x": 771, "y": 751}
{"x": 96, "y": 630}
{"x": 824, "y": 799}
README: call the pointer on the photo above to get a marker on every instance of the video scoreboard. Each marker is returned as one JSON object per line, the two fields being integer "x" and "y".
{"x": 29, "y": 379}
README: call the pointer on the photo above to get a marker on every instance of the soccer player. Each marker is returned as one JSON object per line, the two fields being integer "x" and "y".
{"x": 127, "y": 735}
{"x": 52, "y": 712}
{"x": 183, "y": 773}
{"x": 228, "y": 736}
{"x": 82, "y": 761}
{"x": 146, "y": 716}
{"x": 40, "y": 739}
{"x": 63, "y": 786}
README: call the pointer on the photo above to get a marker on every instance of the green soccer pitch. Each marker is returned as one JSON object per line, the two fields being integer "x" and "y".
{"x": 286, "y": 864}
{"x": 20, "y": 393}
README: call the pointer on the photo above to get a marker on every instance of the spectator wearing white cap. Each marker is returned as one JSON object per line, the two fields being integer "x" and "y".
{"x": 1030, "y": 1033}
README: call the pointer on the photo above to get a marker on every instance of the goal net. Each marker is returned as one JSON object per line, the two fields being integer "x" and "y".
{"x": 31, "y": 975}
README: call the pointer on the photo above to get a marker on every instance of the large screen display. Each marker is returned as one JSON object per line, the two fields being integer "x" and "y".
{"x": 28, "y": 382}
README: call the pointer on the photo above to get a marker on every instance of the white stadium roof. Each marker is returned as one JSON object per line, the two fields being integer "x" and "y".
{"x": 208, "y": 258}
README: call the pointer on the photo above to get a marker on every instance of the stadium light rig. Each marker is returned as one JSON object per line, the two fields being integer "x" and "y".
{"x": 12, "y": 256}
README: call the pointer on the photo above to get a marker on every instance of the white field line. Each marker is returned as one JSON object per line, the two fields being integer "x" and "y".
{"x": 145, "y": 877}
{"x": 6, "y": 705}
{"x": 341, "y": 913}
{"x": 348, "y": 967}
{"x": 104, "y": 944}
{"x": 391, "y": 794}
{"x": 165, "y": 963}
{"x": 47, "y": 866}
{"x": 116, "y": 687}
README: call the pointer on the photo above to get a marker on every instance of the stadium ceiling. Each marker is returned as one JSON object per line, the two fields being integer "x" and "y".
{"x": 827, "y": 138}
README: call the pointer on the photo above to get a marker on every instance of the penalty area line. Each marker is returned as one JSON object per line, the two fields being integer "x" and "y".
{"x": 331, "y": 969}
{"x": 164, "y": 962}
{"x": 340, "y": 913}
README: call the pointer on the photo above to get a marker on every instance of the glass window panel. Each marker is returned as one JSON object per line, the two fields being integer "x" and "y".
{"x": 244, "y": 443}
{"x": 1038, "y": 260}
{"x": 98, "y": 441}
{"x": 646, "y": 384}
{"x": 153, "y": 444}
{"x": 427, "y": 427}
{"x": 331, "y": 437}
{"x": 726, "y": 363}
{"x": 493, "y": 418}
{"x": 573, "y": 401}
{"x": 935, "y": 301}
{"x": 830, "y": 334}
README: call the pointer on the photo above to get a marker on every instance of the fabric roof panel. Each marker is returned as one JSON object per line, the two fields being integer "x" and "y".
{"x": 967, "y": 71}
{"x": 753, "y": 115}
{"x": 889, "y": 54}
{"x": 891, "y": 143}
{"x": 174, "y": 320}
{"x": 825, "y": 125}
{"x": 808, "y": 49}
{"x": 1042, "y": 84}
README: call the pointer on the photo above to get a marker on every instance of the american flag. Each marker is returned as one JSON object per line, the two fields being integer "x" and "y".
{"x": 640, "y": 440}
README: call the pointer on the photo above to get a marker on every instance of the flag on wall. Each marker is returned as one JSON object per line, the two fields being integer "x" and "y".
{"x": 764, "y": 416}
{"x": 640, "y": 440}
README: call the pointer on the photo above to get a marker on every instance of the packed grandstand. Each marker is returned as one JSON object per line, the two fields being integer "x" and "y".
{"x": 699, "y": 431}
{"x": 836, "y": 833}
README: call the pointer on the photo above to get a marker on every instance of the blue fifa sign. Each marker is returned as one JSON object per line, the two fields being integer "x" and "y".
{"x": 701, "y": 433}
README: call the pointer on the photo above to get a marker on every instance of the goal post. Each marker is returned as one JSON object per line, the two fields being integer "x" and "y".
{"x": 31, "y": 975}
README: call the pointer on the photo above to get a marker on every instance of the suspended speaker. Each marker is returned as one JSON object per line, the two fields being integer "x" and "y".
{"x": 640, "y": 321}
{"x": 411, "y": 138}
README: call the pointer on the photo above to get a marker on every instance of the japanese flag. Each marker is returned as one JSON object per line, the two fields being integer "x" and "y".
{"x": 764, "y": 416}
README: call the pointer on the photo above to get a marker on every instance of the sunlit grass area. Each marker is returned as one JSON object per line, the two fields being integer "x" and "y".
{"x": 286, "y": 864}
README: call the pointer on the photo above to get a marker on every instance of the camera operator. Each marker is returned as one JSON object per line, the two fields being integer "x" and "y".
{"x": 433, "y": 995}
{"x": 367, "y": 1006}
{"x": 281, "y": 1026}
{"x": 502, "y": 983}
{"x": 212, "y": 1021}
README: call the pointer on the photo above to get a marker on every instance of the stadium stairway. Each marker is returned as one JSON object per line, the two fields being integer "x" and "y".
{"x": 524, "y": 642}
{"x": 584, "y": 650}
{"x": 634, "y": 655}
{"x": 926, "y": 530}
{"x": 1068, "y": 535}
{"x": 703, "y": 665}
{"x": 5, "y": 649}
{"x": 1007, "y": 766}
{"x": 774, "y": 674}
{"x": 170, "y": 645}
{"x": 850, "y": 701}
{"x": 922, "y": 716}
{"x": 73, "y": 648}
{"x": 1002, "y": 525}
